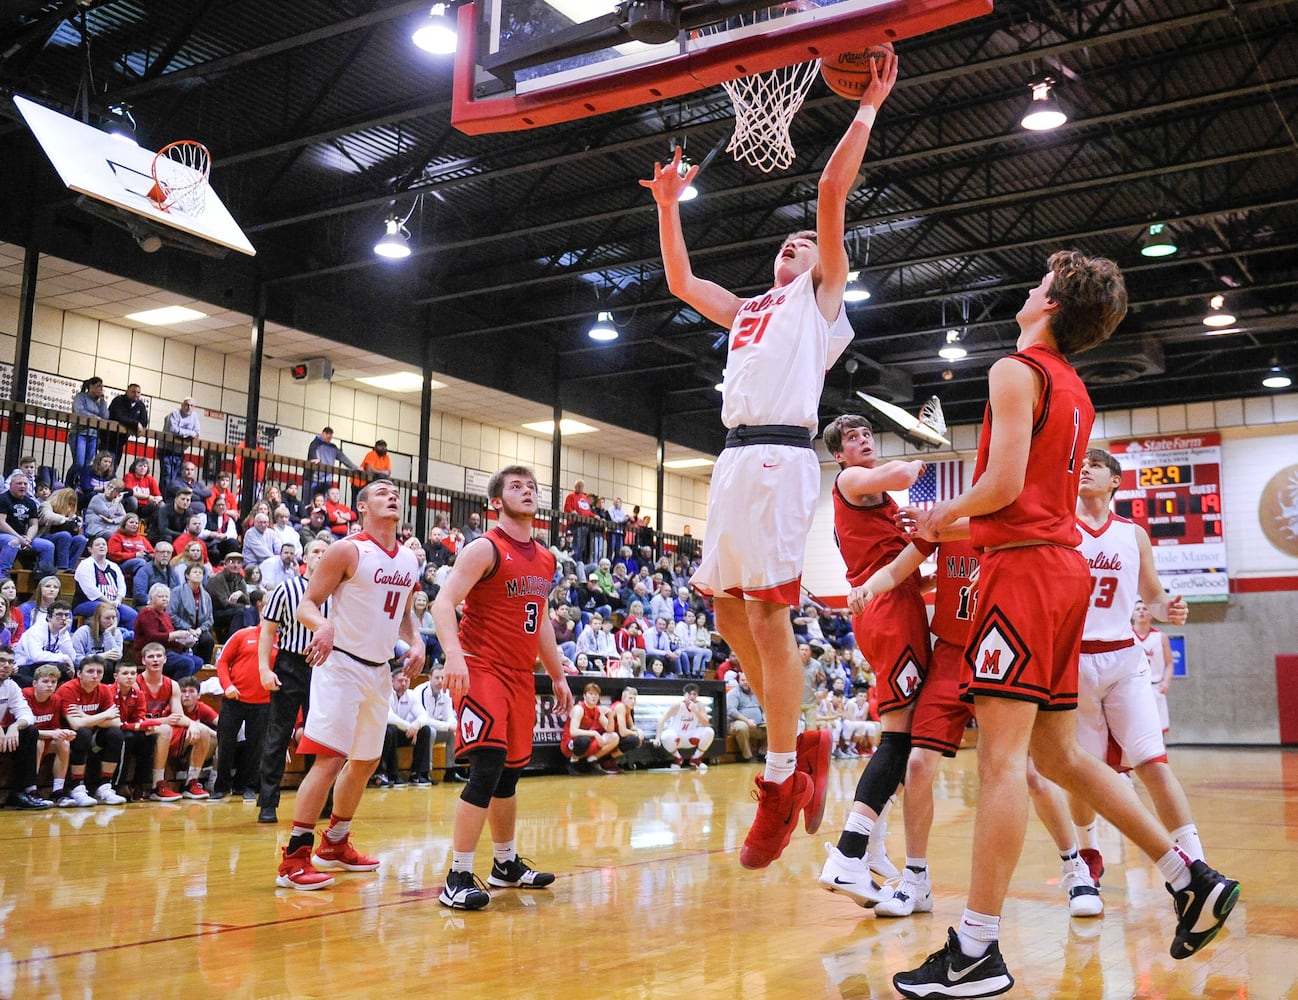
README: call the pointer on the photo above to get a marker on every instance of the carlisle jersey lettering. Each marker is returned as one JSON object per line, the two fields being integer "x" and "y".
{"x": 503, "y": 611}
{"x": 367, "y": 609}
{"x": 1113, "y": 553}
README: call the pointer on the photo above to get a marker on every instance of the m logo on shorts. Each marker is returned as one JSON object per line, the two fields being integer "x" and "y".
{"x": 998, "y": 654}
{"x": 471, "y": 725}
{"x": 910, "y": 677}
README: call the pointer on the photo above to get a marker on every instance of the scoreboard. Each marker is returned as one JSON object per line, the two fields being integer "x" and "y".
{"x": 1172, "y": 488}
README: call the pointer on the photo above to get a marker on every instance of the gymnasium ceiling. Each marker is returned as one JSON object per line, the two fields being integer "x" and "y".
{"x": 323, "y": 118}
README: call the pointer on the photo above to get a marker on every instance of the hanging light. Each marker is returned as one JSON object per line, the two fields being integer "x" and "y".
{"x": 690, "y": 192}
{"x": 855, "y": 291}
{"x": 121, "y": 124}
{"x": 1043, "y": 112}
{"x": 603, "y": 329}
{"x": 437, "y": 33}
{"x": 394, "y": 243}
{"x": 1277, "y": 377}
{"x": 1218, "y": 315}
{"x": 952, "y": 351}
{"x": 1157, "y": 241}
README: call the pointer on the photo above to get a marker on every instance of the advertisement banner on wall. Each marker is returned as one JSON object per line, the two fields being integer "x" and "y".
{"x": 1171, "y": 487}
{"x": 1177, "y": 642}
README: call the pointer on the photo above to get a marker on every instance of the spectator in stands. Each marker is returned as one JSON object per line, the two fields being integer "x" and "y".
{"x": 685, "y": 726}
{"x": 191, "y": 609}
{"x": 604, "y": 576}
{"x": 158, "y": 570}
{"x": 662, "y": 655}
{"x": 182, "y": 423}
{"x": 565, "y": 630}
{"x": 592, "y": 599}
{"x": 89, "y": 708}
{"x": 660, "y": 604}
{"x": 222, "y": 489}
{"x": 252, "y": 580}
{"x": 173, "y": 518}
{"x": 89, "y": 402}
{"x": 246, "y": 705}
{"x": 630, "y": 639}
{"x": 596, "y": 641}
{"x": 578, "y": 504}
{"x": 61, "y": 526}
{"x": 20, "y": 525}
{"x": 222, "y": 531}
{"x": 621, "y": 665}
{"x": 377, "y": 464}
{"x": 280, "y": 567}
{"x": 260, "y": 507}
{"x": 340, "y": 515}
{"x": 46, "y": 593}
{"x": 323, "y": 452}
{"x": 194, "y": 741}
{"x": 427, "y": 627}
{"x": 227, "y": 594}
{"x": 681, "y": 603}
{"x": 316, "y": 525}
{"x": 106, "y": 511}
{"x": 129, "y": 547}
{"x": 18, "y": 738}
{"x": 284, "y": 533}
{"x": 840, "y": 669}
{"x": 138, "y": 739}
{"x": 143, "y": 489}
{"x": 587, "y": 740}
{"x": 100, "y": 636}
{"x": 436, "y": 552}
{"x": 620, "y": 720}
{"x": 154, "y": 625}
{"x": 293, "y": 502}
{"x": 745, "y": 718}
{"x": 94, "y": 477}
{"x": 188, "y": 480}
{"x": 408, "y": 725}
{"x": 8, "y": 627}
{"x": 132, "y": 416}
{"x": 13, "y": 615}
{"x": 695, "y": 645}
{"x": 47, "y": 717}
{"x": 436, "y": 702}
{"x": 473, "y": 529}
{"x": 861, "y": 727}
{"x": 99, "y": 579}
{"x": 258, "y": 541}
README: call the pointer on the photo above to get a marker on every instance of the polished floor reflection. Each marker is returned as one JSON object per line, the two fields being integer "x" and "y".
{"x": 152, "y": 900}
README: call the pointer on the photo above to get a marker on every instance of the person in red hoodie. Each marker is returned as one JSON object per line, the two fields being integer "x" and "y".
{"x": 247, "y": 703}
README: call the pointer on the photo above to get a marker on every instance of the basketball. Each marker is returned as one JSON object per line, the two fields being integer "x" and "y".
{"x": 848, "y": 73}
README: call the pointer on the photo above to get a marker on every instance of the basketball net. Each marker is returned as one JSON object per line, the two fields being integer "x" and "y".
{"x": 765, "y": 103}
{"x": 180, "y": 172}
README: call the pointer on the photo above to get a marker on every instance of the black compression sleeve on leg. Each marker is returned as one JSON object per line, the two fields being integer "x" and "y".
{"x": 508, "y": 783}
{"x": 885, "y": 771}
{"x": 485, "y": 769}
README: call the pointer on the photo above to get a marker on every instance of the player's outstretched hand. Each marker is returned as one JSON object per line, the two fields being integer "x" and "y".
{"x": 933, "y": 520}
{"x": 907, "y": 519}
{"x": 668, "y": 183}
{"x": 882, "y": 80}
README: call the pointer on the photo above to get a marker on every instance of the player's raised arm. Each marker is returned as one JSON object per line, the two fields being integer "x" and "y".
{"x": 709, "y": 298}
{"x": 885, "y": 578}
{"x": 857, "y": 481}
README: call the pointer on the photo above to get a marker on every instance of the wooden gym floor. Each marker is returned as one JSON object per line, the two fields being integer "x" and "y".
{"x": 160, "y": 900}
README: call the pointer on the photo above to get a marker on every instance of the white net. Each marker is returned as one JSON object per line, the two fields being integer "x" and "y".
{"x": 765, "y": 103}
{"x": 930, "y": 414}
{"x": 180, "y": 173}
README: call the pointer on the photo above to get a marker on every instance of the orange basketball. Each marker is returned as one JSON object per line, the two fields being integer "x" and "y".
{"x": 848, "y": 73}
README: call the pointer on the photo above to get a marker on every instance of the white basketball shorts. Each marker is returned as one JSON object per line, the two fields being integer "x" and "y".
{"x": 349, "y": 706}
{"x": 1114, "y": 697}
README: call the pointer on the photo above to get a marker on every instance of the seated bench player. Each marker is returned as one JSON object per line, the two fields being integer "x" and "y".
{"x": 193, "y": 743}
{"x": 18, "y": 738}
{"x": 686, "y": 726}
{"x": 408, "y": 725}
{"x": 587, "y": 740}
{"x": 51, "y": 735}
{"x": 89, "y": 708}
{"x": 620, "y": 720}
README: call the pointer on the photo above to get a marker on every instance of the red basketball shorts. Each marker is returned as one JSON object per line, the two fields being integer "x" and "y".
{"x": 940, "y": 715}
{"x": 892, "y": 634}
{"x": 1027, "y": 630}
{"x": 499, "y": 711}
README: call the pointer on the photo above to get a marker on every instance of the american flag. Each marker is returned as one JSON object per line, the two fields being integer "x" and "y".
{"x": 940, "y": 481}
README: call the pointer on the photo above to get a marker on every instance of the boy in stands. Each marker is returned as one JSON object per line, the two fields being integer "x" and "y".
{"x": 767, "y": 481}
{"x": 18, "y": 737}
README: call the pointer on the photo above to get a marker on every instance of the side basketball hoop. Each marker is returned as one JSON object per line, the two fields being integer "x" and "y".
{"x": 765, "y": 103}
{"x": 180, "y": 172}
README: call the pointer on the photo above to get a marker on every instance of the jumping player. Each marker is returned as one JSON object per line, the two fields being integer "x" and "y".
{"x": 1027, "y": 629}
{"x": 766, "y": 482}
{"x": 369, "y": 580}
{"x": 891, "y": 633}
{"x": 503, "y": 578}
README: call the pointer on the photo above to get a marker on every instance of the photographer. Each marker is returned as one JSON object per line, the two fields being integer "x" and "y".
{"x": 61, "y": 525}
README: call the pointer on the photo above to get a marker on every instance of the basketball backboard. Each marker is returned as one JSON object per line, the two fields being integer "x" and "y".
{"x": 525, "y": 63}
{"x": 110, "y": 171}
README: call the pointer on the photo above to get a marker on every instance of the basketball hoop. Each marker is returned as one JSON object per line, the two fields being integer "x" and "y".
{"x": 180, "y": 172}
{"x": 765, "y": 103}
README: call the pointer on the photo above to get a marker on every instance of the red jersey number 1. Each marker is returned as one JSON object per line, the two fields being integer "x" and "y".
{"x": 750, "y": 331}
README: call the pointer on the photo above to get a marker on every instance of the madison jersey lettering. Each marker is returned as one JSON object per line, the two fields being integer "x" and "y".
{"x": 780, "y": 348}
{"x": 503, "y": 610}
{"x": 368, "y": 609}
{"x": 1113, "y": 553}
{"x": 1061, "y": 427}
{"x": 956, "y": 598}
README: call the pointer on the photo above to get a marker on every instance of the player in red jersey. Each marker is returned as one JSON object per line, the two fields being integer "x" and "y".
{"x": 767, "y": 480}
{"x": 88, "y": 706}
{"x": 1027, "y": 628}
{"x": 587, "y": 740}
{"x": 369, "y": 579}
{"x": 163, "y": 715}
{"x": 503, "y": 578}
{"x": 194, "y": 742}
{"x": 891, "y": 633}
{"x": 53, "y": 736}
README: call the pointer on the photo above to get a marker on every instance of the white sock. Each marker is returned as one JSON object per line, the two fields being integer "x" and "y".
{"x": 1174, "y": 868}
{"x": 917, "y": 864}
{"x": 158, "y": 775}
{"x": 192, "y": 775}
{"x": 1187, "y": 839}
{"x": 338, "y": 830}
{"x": 780, "y": 766}
{"x": 58, "y": 786}
{"x": 503, "y": 852}
{"x": 1070, "y": 854}
{"x": 1089, "y": 835}
{"x": 978, "y": 931}
{"x": 858, "y": 823}
{"x": 462, "y": 861}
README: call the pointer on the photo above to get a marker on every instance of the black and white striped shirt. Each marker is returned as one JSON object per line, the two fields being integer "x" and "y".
{"x": 281, "y": 608}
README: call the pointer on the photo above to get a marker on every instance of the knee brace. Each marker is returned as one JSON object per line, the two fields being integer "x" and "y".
{"x": 508, "y": 782}
{"x": 886, "y": 770}
{"x": 485, "y": 768}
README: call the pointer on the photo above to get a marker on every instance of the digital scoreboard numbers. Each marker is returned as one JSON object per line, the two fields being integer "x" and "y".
{"x": 1172, "y": 488}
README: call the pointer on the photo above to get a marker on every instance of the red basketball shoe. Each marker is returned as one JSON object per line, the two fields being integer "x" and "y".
{"x": 814, "y": 748}
{"x": 778, "y": 805}
{"x": 296, "y": 871}
{"x": 342, "y": 855}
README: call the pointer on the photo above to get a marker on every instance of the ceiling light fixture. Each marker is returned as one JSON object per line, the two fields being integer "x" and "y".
{"x": 437, "y": 33}
{"x": 1277, "y": 377}
{"x": 567, "y": 426}
{"x": 952, "y": 351}
{"x": 402, "y": 381}
{"x": 855, "y": 291}
{"x": 394, "y": 243}
{"x": 1043, "y": 112}
{"x": 688, "y": 463}
{"x": 121, "y": 124}
{"x": 603, "y": 328}
{"x": 1157, "y": 241}
{"x": 1218, "y": 315}
{"x": 166, "y": 316}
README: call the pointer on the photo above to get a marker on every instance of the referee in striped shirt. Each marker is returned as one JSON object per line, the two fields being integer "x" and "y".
{"x": 289, "y": 683}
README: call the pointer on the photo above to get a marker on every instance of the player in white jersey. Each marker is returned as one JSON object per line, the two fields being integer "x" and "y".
{"x": 1115, "y": 703}
{"x": 1158, "y": 651}
{"x": 765, "y": 484}
{"x": 369, "y": 580}
{"x": 685, "y": 726}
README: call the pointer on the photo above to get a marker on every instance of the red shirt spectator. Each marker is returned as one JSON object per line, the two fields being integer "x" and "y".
{"x": 126, "y": 544}
{"x": 237, "y": 666}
